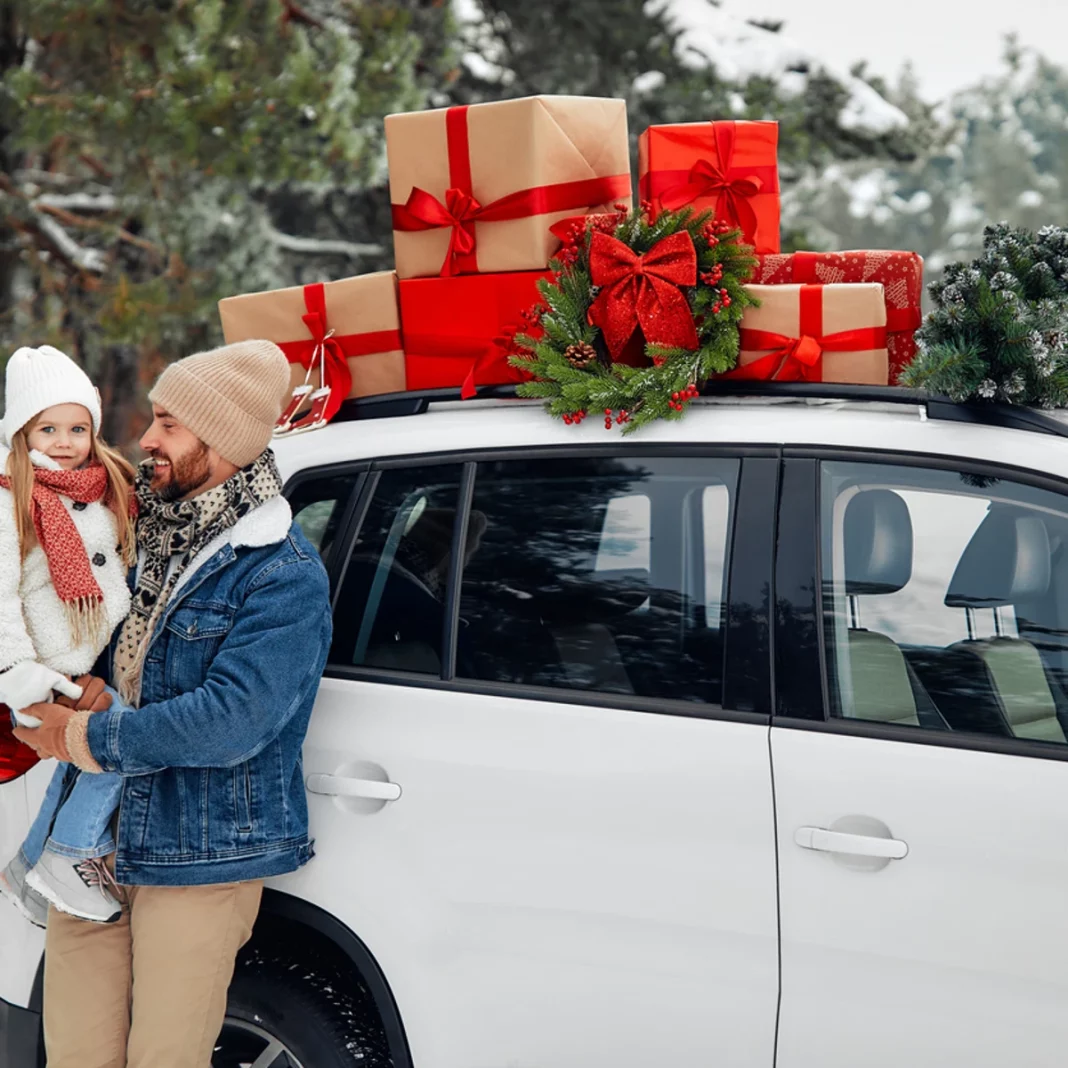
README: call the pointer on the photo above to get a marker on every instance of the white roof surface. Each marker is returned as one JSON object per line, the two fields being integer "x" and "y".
{"x": 510, "y": 424}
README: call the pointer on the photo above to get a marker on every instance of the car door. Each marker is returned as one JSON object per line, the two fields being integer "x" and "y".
{"x": 539, "y": 773}
{"x": 919, "y": 763}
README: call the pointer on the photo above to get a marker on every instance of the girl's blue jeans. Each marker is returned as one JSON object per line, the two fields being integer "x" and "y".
{"x": 75, "y": 816}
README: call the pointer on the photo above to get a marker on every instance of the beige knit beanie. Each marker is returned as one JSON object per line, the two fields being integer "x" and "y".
{"x": 230, "y": 397}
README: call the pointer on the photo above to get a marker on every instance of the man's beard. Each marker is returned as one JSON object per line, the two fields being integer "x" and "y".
{"x": 187, "y": 474}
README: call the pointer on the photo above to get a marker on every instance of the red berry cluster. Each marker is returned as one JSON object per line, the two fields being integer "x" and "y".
{"x": 645, "y": 208}
{"x": 680, "y": 400}
{"x": 575, "y": 418}
{"x": 568, "y": 256}
{"x": 723, "y": 302}
{"x": 713, "y": 230}
{"x": 623, "y": 417}
{"x": 713, "y": 276}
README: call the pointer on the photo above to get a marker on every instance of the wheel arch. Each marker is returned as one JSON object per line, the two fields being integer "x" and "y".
{"x": 279, "y": 906}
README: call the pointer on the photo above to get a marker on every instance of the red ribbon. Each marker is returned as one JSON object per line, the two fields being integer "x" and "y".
{"x": 643, "y": 290}
{"x": 732, "y": 186}
{"x": 800, "y": 359}
{"x": 336, "y": 350}
{"x": 460, "y": 210}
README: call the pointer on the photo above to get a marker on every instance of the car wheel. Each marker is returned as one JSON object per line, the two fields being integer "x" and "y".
{"x": 287, "y": 1012}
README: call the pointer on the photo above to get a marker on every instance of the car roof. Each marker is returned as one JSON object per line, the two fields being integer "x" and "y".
{"x": 486, "y": 424}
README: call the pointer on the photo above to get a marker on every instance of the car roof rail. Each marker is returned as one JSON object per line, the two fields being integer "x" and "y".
{"x": 1014, "y": 417}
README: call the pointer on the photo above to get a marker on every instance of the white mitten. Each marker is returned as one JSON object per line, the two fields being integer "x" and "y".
{"x": 29, "y": 683}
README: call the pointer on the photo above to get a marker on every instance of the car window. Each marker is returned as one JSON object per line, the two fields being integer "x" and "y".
{"x": 390, "y": 611}
{"x": 945, "y": 600}
{"x": 596, "y": 574}
{"x": 318, "y": 504}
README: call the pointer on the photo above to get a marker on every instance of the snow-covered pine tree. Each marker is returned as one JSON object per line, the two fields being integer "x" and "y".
{"x": 999, "y": 151}
{"x": 156, "y": 155}
{"x": 679, "y": 61}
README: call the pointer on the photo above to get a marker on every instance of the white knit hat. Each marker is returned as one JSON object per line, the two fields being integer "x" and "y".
{"x": 40, "y": 378}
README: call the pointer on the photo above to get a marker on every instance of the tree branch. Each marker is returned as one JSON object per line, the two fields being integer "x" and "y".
{"x": 315, "y": 246}
{"x": 78, "y": 201}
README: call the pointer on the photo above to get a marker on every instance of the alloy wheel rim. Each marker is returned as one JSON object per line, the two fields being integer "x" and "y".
{"x": 243, "y": 1044}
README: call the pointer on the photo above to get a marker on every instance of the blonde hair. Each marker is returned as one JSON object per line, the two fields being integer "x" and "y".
{"x": 120, "y": 474}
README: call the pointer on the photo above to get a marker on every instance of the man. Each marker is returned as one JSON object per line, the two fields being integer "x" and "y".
{"x": 215, "y": 671}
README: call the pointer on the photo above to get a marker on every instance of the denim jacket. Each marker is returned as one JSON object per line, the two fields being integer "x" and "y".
{"x": 214, "y": 786}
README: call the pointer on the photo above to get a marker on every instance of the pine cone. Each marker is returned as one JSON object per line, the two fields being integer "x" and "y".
{"x": 580, "y": 356}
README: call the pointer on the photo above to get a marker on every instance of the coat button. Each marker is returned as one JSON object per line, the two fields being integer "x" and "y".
{"x": 100, "y": 559}
{"x": 80, "y": 506}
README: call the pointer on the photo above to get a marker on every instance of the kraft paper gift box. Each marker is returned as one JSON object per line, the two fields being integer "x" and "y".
{"x": 900, "y": 274}
{"x": 458, "y": 331}
{"x": 352, "y": 324}
{"x": 475, "y": 188}
{"x": 815, "y": 333}
{"x": 727, "y": 167}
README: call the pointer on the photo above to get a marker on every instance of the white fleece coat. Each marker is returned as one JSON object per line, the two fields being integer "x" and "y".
{"x": 33, "y": 623}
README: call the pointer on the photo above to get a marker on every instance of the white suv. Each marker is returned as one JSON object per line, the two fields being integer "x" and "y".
{"x": 737, "y": 742}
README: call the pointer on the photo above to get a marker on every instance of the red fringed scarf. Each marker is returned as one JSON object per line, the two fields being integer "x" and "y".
{"x": 68, "y": 562}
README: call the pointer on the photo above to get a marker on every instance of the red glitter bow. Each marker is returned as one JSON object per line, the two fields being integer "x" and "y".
{"x": 643, "y": 290}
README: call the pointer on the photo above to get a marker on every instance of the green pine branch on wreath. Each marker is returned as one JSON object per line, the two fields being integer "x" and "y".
{"x": 999, "y": 330}
{"x": 638, "y": 315}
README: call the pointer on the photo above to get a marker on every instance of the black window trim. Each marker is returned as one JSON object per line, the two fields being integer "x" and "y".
{"x": 887, "y": 732}
{"x": 361, "y": 470}
{"x": 763, "y": 518}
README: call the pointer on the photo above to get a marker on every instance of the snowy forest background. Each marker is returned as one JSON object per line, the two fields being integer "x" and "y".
{"x": 156, "y": 155}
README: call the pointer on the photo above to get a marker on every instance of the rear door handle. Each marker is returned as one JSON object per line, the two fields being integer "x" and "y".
{"x": 857, "y": 845}
{"x": 343, "y": 786}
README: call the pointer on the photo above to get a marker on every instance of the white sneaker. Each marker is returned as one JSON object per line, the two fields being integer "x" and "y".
{"x": 82, "y": 888}
{"x": 28, "y": 901}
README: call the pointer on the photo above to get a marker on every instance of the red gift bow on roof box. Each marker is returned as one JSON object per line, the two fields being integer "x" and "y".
{"x": 335, "y": 350}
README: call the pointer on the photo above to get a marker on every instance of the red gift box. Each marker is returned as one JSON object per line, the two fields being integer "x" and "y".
{"x": 730, "y": 167}
{"x": 457, "y": 331}
{"x": 899, "y": 273}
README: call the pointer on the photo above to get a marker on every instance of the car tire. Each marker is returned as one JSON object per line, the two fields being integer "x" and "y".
{"x": 314, "y": 1011}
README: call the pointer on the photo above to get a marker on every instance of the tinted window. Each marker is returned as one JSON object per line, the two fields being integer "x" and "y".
{"x": 390, "y": 611}
{"x": 944, "y": 600}
{"x": 319, "y": 504}
{"x": 598, "y": 574}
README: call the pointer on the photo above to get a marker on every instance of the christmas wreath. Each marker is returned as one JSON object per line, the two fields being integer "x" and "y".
{"x": 637, "y": 316}
{"x": 999, "y": 329}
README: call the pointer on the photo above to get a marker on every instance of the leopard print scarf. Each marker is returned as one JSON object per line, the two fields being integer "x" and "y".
{"x": 179, "y": 529}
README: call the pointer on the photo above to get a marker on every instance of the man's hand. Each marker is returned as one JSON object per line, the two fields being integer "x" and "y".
{"x": 50, "y": 739}
{"x": 94, "y": 698}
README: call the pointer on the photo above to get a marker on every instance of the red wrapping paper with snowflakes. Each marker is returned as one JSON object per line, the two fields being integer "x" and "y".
{"x": 899, "y": 273}
{"x": 458, "y": 331}
{"x": 727, "y": 167}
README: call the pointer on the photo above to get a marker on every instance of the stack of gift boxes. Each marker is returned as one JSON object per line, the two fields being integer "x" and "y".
{"x": 475, "y": 194}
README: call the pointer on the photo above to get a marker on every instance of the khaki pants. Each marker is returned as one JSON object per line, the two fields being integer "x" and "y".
{"x": 148, "y": 991}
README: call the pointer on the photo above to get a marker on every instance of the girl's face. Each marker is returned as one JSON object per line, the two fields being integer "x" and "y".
{"x": 64, "y": 433}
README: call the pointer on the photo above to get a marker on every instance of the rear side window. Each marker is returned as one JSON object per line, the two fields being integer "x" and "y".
{"x": 945, "y": 601}
{"x": 599, "y": 574}
{"x": 390, "y": 611}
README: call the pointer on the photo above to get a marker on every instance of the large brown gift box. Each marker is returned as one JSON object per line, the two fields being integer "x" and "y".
{"x": 353, "y": 325}
{"x": 815, "y": 333}
{"x": 476, "y": 188}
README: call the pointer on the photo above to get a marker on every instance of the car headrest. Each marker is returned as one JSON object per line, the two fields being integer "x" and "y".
{"x": 596, "y": 597}
{"x": 878, "y": 543}
{"x": 1006, "y": 561}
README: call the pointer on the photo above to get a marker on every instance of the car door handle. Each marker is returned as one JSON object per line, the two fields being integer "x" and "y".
{"x": 343, "y": 786}
{"x": 857, "y": 845}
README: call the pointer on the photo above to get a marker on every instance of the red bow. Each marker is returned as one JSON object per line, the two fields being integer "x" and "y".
{"x": 711, "y": 177}
{"x": 459, "y": 211}
{"x": 336, "y": 373}
{"x": 800, "y": 359}
{"x": 643, "y": 290}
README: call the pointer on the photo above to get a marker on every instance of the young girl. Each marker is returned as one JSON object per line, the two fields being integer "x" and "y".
{"x": 66, "y": 542}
